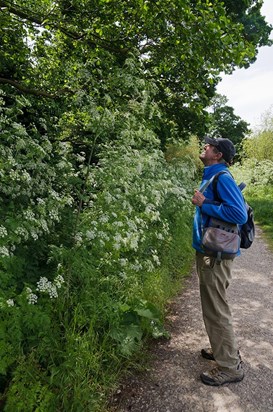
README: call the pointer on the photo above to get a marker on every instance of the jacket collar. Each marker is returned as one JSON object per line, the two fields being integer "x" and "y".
{"x": 210, "y": 171}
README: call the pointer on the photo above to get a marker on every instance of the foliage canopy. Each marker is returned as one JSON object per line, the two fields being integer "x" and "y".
{"x": 61, "y": 49}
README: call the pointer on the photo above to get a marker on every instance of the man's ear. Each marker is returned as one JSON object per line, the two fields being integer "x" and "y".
{"x": 219, "y": 155}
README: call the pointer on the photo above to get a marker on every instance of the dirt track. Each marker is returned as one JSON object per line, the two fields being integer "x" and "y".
{"x": 172, "y": 384}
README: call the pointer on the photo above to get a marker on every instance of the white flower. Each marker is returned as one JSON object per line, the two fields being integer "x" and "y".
{"x": 34, "y": 235}
{"x": 78, "y": 238}
{"x": 54, "y": 194}
{"x": 90, "y": 234}
{"x": 104, "y": 219}
{"x": 80, "y": 158}
{"x": 40, "y": 201}
{"x": 155, "y": 216}
{"x": 103, "y": 235}
{"x": 3, "y": 231}
{"x": 58, "y": 281}
{"x": 52, "y": 291}
{"x": 126, "y": 206}
{"x": 143, "y": 199}
{"x": 136, "y": 266}
{"x": 4, "y": 251}
{"x": 26, "y": 176}
{"x": 178, "y": 191}
{"x": 123, "y": 262}
{"x": 116, "y": 246}
{"x": 21, "y": 231}
{"x": 118, "y": 224}
{"x": 108, "y": 198}
{"x": 159, "y": 236}
{"x": 149, "y": 207}
{"x": 118, "y": 238}
{"x": 53, "y": 214}
{"x": 132, "y": 225}
{"x": 156, "y": 259}
{"x": 132, "y": 240}
{"x": 29, "y": 215}
{"x": 10, "y": 302}
{"x": 123, "y": 275}
{"x": 44, "y": 285}
{"x": 31, "y": 297}
{"x": 44, "y": 225}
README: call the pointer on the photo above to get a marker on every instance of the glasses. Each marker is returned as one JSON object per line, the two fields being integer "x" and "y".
{"x": 214, "y": 148}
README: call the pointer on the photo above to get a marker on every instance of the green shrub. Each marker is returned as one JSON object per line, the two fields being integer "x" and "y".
{"x": 259, "y": 146}
{"x": 84, "y": 314}
{"x": 254, "y": 173}
{"x": 258, "y": 175}
{"x": 185, "y": 151}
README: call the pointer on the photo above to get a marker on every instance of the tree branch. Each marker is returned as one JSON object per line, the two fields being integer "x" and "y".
{"x": 106, "y": 44}
{"x": 34, "y": 92}
{"x": 19, "y": 13}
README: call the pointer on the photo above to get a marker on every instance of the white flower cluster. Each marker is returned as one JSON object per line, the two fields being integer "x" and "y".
{"x": 127, "y": 219}
{"x": 3, "y": 231}
{"x": 59, "y": 281}
{"x": 43, "y": 285}
{"x": 41, "y": 174}
{"x": 54, "y": 215}
{"x": 78, "y": 238}
{"x": 29, "y": 215}
{"x": 31, "y": 297}
{"x": 155, "y": 257}
{"x": 4, "y": 251}
{"x": 46, "y": 286}
{"x": 22, "y": 232}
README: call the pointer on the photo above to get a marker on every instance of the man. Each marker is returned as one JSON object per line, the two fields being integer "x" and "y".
{"x": 214, "y": 275}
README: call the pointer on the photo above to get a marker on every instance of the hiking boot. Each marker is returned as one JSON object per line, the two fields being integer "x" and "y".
{"x": 208, "y": 354}
{"x": 219, "y": 376}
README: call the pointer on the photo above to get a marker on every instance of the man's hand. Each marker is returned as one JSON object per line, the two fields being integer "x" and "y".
{"x": 198, "y": 198}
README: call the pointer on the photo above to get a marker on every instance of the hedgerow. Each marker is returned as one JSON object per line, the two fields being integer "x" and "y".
{"x": 86, "y": 269}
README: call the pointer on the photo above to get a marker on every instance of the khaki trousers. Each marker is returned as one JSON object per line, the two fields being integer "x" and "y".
{"x": 214, "y": 279}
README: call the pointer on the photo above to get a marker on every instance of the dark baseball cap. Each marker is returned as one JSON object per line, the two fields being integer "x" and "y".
{"x": 225, "y": 146}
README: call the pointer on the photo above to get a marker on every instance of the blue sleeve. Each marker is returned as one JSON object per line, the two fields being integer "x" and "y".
{"x": 232, "y": 208}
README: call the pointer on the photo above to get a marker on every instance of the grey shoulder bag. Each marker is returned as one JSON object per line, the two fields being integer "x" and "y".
{"x": 219, "y": 239}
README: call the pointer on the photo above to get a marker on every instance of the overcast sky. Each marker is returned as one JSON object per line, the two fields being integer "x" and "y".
{"x": 250, "y": 91}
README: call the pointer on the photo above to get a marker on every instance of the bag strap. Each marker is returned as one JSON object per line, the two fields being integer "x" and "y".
{"x": 208, "y": 182}
{"x": 201, "y": 190}
{"x": 241, "y": 186}
{"x": 215, "y": 181}
{"x": 204, "y": 187}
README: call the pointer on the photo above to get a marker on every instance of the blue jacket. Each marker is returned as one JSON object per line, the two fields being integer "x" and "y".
{"x": 232, "y": 208}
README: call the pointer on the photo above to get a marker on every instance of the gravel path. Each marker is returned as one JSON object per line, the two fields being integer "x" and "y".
{"x": 172, "y": 384}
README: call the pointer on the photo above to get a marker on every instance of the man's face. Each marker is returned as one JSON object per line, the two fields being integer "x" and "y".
{"x": 210, "y": 155}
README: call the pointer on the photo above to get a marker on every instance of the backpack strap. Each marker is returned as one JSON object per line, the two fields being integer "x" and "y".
{"x": 214, "y": 180}
{"x": 241, "y": 186}
{"x": 214, "y": 184}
